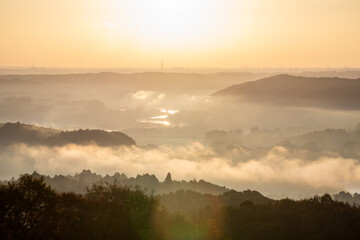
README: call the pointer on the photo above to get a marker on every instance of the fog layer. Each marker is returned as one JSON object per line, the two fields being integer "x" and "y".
{"x": 278, "y": 173}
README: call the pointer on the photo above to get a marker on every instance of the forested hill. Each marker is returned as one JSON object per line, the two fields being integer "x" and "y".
{"x": 116, "y": 212}
{"x": 80, "y": 181}
{"x": 185, "y": 197}
{"x": 11, "y": 133}
{"x": 300, "y": 91}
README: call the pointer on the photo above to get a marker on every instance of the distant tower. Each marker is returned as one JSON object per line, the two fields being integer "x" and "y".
{"x": 162, "y": 65}
{"x": 168, "y": 178}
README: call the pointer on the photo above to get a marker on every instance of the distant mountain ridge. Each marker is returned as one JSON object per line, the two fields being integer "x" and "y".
{"x": 299, "y": 91}
{"x": 11, "y": 133}
{"x": 80, "y": 181}
{"x": 154, "y": 81}
{"x": 176, "y": 196}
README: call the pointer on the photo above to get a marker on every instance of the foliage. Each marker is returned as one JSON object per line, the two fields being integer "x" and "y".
{"x": 29, "y": 209}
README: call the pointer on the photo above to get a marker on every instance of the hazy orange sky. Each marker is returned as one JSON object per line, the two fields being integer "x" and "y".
{"x": 184, "y": 33}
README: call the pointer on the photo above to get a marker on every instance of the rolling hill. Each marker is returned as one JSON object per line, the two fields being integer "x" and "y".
{"x": 11, "y": 133}
{"x": 339, "y": 93}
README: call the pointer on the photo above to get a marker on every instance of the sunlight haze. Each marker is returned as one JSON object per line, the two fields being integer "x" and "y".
{"x": 182, "y": 33}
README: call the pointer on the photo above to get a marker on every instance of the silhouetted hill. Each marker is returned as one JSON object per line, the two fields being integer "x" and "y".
{"x": 309, "y": 145}
{"x": 299, "y": 91}
{"x": 33, "y": 135}
{"x": 155, "y": 81}
{"x": 30, "y": 209}
{"x": 187, "y": 202}
{"x": 328, "y": 139}
{"x": 346, "y": 197}
{"x": 184, "y": 197}
{"x": 335, "y": 142}
{"x": 80, "y": 181}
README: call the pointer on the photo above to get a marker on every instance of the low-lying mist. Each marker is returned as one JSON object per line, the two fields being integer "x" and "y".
{"x": 278, "y": 172}
{"x": 265, "y": 147}
{"x": 111, "y": 101}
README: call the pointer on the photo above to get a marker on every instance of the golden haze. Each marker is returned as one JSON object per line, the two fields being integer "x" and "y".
{"x": 186, "y": 33}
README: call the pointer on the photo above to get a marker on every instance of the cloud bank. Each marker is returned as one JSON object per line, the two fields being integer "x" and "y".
{"x": 273, "y": 174}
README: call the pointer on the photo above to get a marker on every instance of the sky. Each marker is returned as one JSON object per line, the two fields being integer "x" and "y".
{"x": 181, "y": 33}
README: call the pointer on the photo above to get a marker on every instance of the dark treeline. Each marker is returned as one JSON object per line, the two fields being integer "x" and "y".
{"x": 80, "y": 181}
{"x": 188, "y": 203}
{"x": 29, "y": 209}
{"x": 32, "y": 210}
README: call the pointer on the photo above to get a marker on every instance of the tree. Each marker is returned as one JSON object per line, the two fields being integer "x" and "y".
{"x": 25, "y": 209}
{"x": 137, "y": 205}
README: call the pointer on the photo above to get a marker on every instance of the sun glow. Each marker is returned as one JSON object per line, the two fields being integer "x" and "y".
{"x": 183, "y": 33}
{"x": 173, "y": 22}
